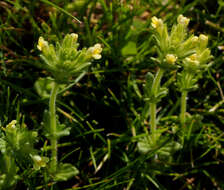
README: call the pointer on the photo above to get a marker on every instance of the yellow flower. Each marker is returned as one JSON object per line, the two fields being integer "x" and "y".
{"x": 183, "y": 20}
{"x": 42, "y": 43}
{"x": 74, "y": 36}
{"x": 193, "y": 59}
{"x": 156, "y": 22}
{"x": 11, "y": 125}
{"x": 39, "y": 162}
{"x": 171, "y": 59}
{"x": 95, "y": 51}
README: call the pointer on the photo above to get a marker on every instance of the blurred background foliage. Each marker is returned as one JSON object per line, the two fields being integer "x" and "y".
{"x": 105, "y": 108}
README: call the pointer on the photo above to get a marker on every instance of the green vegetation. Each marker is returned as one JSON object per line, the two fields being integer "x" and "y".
{"x": 99, "y": 94}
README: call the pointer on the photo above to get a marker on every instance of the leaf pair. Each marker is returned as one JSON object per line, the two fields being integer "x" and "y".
{"x": 62, "y": 129}
{"x": 164, "y": 148}
{"x": 151, "y": 96}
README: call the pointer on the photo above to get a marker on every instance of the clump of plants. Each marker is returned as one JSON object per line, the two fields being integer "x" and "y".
{"x": 66, "y": 64}
{"x": 16, "y": 149}
{"x": 187, "y": 55}
{"x": 177, "y": 52}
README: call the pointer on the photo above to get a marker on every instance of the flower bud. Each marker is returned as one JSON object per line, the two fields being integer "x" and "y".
{"x": 205, "y": 56}
{"x": 170, "y": 58}
{"x": 34, "y": 134}
{"x": 42, "y": 43}
{"x": 156, "y": 22}
{"x": 74, "y": 36}
{"x": 183, "y": 20}
{"x": 11, "y": 125}
{"x": 203, "y": 37}
{"x": 194, "y": 39}
{"x": 203, "y": 41}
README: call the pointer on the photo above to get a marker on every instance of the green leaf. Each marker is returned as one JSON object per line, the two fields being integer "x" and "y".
{"x": 166, "y": 152}
{"x": 163, "y": 151}
{"x": 163, "y": 91}
{"x": 148, "y": 84}
{"x": 46, "y": 123}
{"x": 129, "y": 49}
{"x": 61, "y": 9}
{"x": 145, "y": 111}
{"x": 8, "y": 172}
{"x": 62, "y": 130}
{"x": 144, "y": 145}
{"x": 43, "y": 87}
{"x": 65, "y": 171}
{"x": 2, "y": 145}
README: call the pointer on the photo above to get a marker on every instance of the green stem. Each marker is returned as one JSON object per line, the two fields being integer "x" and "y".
{"x": 183, "y": 107}
{"x": 155, "y": 88}
{"x": 153, "y": 120}
{"x": 53, "y": 126}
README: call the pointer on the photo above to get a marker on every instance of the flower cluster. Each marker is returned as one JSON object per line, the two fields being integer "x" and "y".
{"x": 64, "y": 60}
{"x": 177, "y": 47}
{"x": 199, "y": 59}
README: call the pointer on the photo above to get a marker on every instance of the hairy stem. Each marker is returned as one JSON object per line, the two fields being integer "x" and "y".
{"x": 183, "y": 107}
{"x": 155, "y": 88}
{"x": 53, "y": 126}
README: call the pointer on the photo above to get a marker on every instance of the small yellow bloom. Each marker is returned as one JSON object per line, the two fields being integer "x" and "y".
{"x": 39, "y": 162}
{"x": 183, "y": 20}
{"x": 95, "y": 51}
{"x": 156, "y": 22}
{"x": 74, "y": 36}
{"x": 11, "y": 125}
{"x": 42, "y": 43}
{"x": 193, "y": 59}
{"x": 171, "y": 59}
